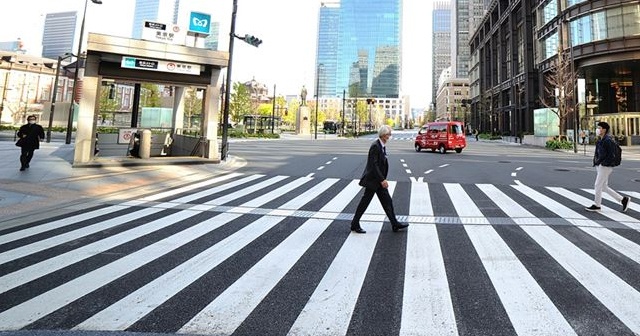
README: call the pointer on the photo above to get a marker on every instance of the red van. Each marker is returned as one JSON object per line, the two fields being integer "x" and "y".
{"x": 443, "y": 136}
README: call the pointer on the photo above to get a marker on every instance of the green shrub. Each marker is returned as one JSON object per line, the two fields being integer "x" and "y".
{"x": 558, "y": 144}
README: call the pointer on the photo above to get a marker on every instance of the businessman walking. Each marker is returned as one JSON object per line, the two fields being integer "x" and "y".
{"x": 374, "y": 180}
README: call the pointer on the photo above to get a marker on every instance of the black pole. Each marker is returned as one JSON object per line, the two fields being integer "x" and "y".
{"x": 317, "y": 98}
{"x": 273, "y": 111}
{"x": 53, "y": 98}
{"x": 227, "y": 92}
{"x": 344, "y": 92}
{"x": 75, "y": 77}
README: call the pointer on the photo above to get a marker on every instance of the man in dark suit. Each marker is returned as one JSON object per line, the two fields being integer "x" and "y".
{"x": 30, "y": 135}
{"x": 374, "y": 179}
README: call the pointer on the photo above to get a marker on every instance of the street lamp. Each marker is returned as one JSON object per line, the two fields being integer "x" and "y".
{"x": 273, "y": 110}
{"x": 317, "y": 98}
{"x": 75, "y": 75}
{"x": 55, "y": 92}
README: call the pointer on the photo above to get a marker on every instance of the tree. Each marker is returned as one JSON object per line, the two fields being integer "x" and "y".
{"x": 150, "y": 95}
{"x": 240, "y": 102}
{"x": 192, "y": 106}
{"x": 559, "y": 86}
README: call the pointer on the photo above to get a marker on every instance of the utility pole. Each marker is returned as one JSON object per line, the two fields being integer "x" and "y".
{"x": 273, "y": 111}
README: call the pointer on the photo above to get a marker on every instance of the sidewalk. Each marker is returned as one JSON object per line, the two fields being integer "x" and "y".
{"x": 51, "y": 183}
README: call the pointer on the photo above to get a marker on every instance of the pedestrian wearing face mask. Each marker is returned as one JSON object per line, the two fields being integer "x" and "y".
{"x": 603, "y": 160}
{"x": 30, "y": 135}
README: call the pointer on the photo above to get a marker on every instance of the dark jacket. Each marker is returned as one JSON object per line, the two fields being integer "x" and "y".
{"x": 377, "y": 167}
{"x": 605, "y": 151}
{"x": 31, "y": 134}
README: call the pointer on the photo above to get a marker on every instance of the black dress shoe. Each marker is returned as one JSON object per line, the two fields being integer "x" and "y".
{"x": 22, "y": 168}
{"x": 399, "y": 226}
{"x": 358, "y": 230}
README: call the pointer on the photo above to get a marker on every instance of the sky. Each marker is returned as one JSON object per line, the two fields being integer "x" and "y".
{"x": 288, "y": 29}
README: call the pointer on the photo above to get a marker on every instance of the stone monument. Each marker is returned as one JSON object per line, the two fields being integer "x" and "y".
{"x": 303, "y": 117}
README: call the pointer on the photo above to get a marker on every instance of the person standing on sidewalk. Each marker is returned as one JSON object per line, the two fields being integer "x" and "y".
{"x": 30, "y": 135}
{"x": 374, "y": 179}
{"x": 603, "y": 160}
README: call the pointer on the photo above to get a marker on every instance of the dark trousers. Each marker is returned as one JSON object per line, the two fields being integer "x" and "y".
{"x": 25, "y": 157}
{"x": 385, "y": 201}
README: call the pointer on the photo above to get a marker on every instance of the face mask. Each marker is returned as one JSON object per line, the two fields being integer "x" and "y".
{"x": 598, "y": 131}
{"x": 32, "y": 122}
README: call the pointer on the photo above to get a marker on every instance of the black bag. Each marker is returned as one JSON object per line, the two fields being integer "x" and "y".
{"x": 20, "y": 142}
{"x": 618, "y": 155}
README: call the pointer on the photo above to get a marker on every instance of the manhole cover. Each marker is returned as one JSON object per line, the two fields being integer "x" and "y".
{"x": 636, "y": 180}
{"x": 562, "y": 169}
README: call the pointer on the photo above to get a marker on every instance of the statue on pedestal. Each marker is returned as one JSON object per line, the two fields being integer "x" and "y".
{"x": 303, "y": 96}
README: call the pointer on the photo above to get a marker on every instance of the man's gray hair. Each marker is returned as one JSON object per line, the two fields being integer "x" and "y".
{"x": 384, "y": 130}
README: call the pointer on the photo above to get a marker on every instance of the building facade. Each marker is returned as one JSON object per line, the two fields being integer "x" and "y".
{"x": 602, "y": 43}
{"x": 520, "y": 45}
{"x": 369, "y": 58}
{"x": 26, "y": 85}
{"x": 165, "y": 11}
{"x": 58, "y": 34}
{"x": 465, "y": 17}
{"x": 452, "y": 98}
{"x": 327, "y": 49}
{"x": 502, "y": 75}
{"x": 441, "y": 47}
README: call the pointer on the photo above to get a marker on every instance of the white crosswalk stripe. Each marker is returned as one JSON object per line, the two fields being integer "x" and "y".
{"x": 53, "y": 269}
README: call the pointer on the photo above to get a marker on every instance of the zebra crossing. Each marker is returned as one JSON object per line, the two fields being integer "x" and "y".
{"x": 257, "y": 254}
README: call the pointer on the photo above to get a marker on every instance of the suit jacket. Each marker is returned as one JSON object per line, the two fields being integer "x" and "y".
{"x": 31, "y": 135}
{"x": 377, "y": 167}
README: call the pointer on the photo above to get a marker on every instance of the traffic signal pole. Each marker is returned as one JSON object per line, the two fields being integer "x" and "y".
{"x": 227, "y": 92}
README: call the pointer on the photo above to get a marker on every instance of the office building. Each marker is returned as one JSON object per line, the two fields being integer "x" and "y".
{"x": 327, "y": 49}
{"x": 165, "y": 11}
{"x": 466, "y": 16}
{"x": 441, "y": 47}
{"x": 58, "y": 34}
{"x": 369, "y": 60}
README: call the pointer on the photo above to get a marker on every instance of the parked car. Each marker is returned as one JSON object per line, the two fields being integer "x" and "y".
{"x": 443, "y": 136}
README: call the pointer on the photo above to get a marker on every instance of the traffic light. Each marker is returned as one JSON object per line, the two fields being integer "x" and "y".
{"x": 252, "y": 40}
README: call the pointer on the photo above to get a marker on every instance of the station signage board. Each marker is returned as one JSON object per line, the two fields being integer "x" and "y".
{"x": 199, "y": 23}
{"x": 159, "y": 65}
{"x": 163, "y": 32}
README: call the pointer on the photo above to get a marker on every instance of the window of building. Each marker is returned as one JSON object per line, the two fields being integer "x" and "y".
{"x": 549, "y": 12}
{"x": 631, "y": 19}
{"x": 574, "y": 2}
{"x": 583, "y": 32}
{"x": 550, "y": 46}
{"x": 614, "y": 23}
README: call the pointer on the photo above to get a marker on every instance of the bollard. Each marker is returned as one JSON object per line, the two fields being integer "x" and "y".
{"x": 145, "y": 144}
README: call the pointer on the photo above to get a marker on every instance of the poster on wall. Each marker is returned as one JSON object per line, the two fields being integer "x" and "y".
{"x": 546, "y": 122}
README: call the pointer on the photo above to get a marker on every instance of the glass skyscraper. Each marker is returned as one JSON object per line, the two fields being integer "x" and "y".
{"x": 327, "y": 49}
{"x": 58, "y": 34}
{"x": 165, "y": 11}
{"x": 368, "y": 48}
{"x": 441, "y": 47}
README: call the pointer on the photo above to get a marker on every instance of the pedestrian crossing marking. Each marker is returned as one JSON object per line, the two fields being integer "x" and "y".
{"x": 329, "y": 310}
{"x": 224, "y": 314}
{"x": 427, "y": 305}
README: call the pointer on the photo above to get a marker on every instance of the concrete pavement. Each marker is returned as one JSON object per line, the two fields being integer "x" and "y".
{"x": 51, "y": 183}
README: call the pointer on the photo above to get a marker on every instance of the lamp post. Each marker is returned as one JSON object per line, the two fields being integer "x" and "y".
{"x": 317, "y": 99}
{"x": 576, "y": 112}
{"x": 75, "y": 75}
{"x": 54, "y": 93}
{"x": 273, "y": 110}
{"x": 344, "y": 92}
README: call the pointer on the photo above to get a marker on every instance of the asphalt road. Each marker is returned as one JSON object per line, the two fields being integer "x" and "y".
{"x": 499, "y": 244}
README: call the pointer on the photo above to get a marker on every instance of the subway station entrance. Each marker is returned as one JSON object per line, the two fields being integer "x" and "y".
{"x": 115, "y": 65}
